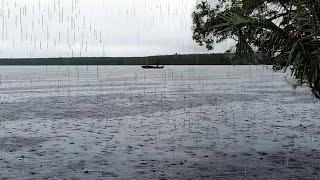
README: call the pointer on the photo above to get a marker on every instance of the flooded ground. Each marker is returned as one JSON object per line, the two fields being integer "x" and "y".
{"x": 182, "y": 122}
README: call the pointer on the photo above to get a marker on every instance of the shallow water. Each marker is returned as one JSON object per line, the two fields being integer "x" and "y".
{"x": 122, "y": 122}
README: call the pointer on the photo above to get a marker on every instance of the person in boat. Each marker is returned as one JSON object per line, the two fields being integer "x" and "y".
{"x": 158, "y": 63}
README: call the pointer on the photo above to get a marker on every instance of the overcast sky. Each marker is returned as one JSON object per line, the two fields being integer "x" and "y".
{"x": 66, "y": 28}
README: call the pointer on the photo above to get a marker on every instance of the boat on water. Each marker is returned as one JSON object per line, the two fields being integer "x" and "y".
{"x": 157, "y": 66}
{"x": 152, "y": 67}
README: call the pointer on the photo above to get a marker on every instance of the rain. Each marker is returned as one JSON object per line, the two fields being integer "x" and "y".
{"x": 80, "y": 28}
{"x": 149, "y": 119}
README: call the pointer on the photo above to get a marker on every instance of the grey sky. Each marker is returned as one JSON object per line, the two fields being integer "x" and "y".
{"x": 60, "y": 28}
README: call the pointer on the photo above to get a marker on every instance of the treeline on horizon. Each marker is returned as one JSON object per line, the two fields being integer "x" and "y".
{"x": 189, "y": 59}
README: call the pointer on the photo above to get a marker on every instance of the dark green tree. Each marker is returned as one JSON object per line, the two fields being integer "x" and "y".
{"x": 287, "y": 31}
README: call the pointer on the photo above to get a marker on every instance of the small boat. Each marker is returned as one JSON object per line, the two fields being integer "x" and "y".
{"x": 152, "y": 67}
{"x": 157, "y": 66}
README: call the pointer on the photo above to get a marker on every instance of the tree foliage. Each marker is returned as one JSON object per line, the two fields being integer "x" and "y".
{"x": 287, "y": 31}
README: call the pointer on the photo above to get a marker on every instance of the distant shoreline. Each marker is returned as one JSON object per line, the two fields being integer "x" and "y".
{"x": 189, "y": 59}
